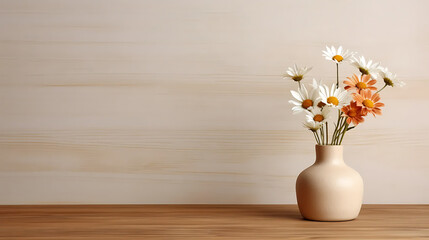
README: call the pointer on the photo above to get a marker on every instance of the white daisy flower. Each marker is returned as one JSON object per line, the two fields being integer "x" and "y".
{"x": 337, "y": 55}
{"x": 316, "y": 118}
{"x": 304, "y": 101}
{"x": 295, "y": 73}
{"x": 389, "y": 78}
{"x": 312, "y": 125}
{"x": 366, "y": 67}
{"x": 336, "y": 97}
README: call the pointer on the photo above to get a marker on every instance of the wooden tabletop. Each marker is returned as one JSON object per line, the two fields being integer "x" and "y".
{"x": 206, "y": 222}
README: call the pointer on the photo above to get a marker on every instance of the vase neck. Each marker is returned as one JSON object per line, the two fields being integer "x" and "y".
{"x": 330, "y": 154}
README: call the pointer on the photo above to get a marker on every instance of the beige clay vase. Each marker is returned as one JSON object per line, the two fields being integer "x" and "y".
{"x": 329, "y": 190}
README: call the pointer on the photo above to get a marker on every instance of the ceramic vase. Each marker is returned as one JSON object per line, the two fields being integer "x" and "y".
{"x": 329, "y": 190}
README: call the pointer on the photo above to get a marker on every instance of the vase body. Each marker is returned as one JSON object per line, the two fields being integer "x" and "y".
{"x": 329, "y": 190}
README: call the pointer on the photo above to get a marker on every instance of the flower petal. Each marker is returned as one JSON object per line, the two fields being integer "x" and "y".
{"x": 375, "y": 97}
{"x": 379, "y": 104}
{"x": 297, "y": 95}
{"x": 294, "y": 102}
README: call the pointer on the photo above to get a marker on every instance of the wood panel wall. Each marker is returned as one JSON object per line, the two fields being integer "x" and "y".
{"x": 183, "y": 101}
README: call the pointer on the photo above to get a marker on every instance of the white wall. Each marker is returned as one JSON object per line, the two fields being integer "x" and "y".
{"x": 183, "y": 101}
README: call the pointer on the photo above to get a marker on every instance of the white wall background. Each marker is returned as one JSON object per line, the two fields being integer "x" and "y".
{"x": 183, "y": 101}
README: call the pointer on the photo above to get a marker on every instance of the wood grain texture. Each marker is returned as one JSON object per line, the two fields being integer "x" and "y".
{"x": 183, "y": 101}
{"x": 206, "y": 222}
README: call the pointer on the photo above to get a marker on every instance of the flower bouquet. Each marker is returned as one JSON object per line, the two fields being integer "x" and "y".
{"x": 358, "y": 98}
{"x": 329, "y": 190}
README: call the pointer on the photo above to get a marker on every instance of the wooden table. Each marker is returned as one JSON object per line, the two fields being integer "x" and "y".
{"x": 206, "y": 222}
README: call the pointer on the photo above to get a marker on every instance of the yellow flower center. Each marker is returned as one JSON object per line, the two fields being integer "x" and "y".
{"x": 361, "y": 85}
{"x": 333, "y": 100}
{"x": 297, "y": 78}
{"x": 338, "y": 58}
{"x": 307, "y": 103}
{"x": 368, "y": 103}
{"x": 318, "y": 118}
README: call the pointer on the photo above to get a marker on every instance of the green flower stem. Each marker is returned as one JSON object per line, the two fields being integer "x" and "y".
{"x": 322, "y": 136}
{"x": 340, "y": 130}
{"x": 334, "y": 137}
{"x": 316, "y": 137}
{"x": 338, "y": 82}
{"x": 327, "y": 134}
{"x": 385, "y": 85}
{"x": 344, "y": 132}
{"x": 336, "y": 128}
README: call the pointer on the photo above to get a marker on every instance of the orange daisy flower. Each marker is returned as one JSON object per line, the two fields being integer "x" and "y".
{"x": 365, "y": 82}
{"x": 353, "y": 112}
{"x": 368, "y": 102}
